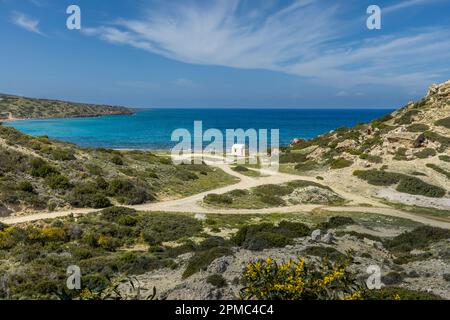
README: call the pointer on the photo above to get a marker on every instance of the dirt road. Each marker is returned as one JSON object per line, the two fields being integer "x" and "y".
{"x": 192, "y": 204}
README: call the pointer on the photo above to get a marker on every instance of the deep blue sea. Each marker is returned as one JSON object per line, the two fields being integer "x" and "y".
{"x": 152, "y": 129}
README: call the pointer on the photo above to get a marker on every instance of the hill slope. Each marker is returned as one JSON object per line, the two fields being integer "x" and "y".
{"x": 40, "y": 174}
{"x": 403, "y": 156}
{"x": 15, "y": 107}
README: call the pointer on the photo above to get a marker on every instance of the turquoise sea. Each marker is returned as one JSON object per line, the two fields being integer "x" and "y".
{"x": 152, "y": 129}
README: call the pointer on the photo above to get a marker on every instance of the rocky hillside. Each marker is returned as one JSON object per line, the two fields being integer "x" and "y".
{"x": 15, "y": 107}
{"x": 408, "y": 150}
{"x": 40, "y": 174}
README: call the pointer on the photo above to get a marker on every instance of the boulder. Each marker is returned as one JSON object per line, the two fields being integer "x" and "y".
{"x": 328, "y": 238}
{"x": 200, "y": 216}
{"x": 316, "y": 235}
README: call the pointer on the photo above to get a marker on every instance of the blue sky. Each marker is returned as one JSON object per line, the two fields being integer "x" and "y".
{"x": 230, "y": 53}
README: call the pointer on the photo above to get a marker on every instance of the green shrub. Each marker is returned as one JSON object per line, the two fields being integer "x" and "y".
{"x": 324, "y": 252}
{"x": 169, "y": 227}
{"x": 25, "y": 186}
{"x": 400, "y": 154}
{"x": 335, "y": 222}
{"x": 129, "y": 192}
{"x": 416, "y": 186}
{"x": 359, "y": 235}
{"x": 387, "y": 293}
{"x": 425, "y": 153}
{"x": 444, "y": 158}
{"x": 238, "y": 193}
{"x": 117, "y": 160}
{"x": 392, "y": 278}
{"x": 58, "y": 181}
{"x": 63, "y": 154}
{"x": 264, "y": 240}
{"x": 266, "y": 235}
{"x": 41, "y": 169}
{"x": 304, "y": 183}
{"x": 418, "y": 127}
{"x": 240, "y": 169}
{"x": 439, "y": 169}
{"x": 433, "y": 136}
{"x": 87, "y": 195}
{"x": 273, "y": 190}
{"x": 186, "y": 175}
{"x": 371, "y": 158}
{"x": 201, "y": 260}
{"x": 407, "y": 117}
{"x": 270, "y": 200}
{"x": 306, "y": 166}
{"x": 292, "y": 229}
{"x": 418, "y": 238}
{"x": 114, "y": 213}
{"x": 217, "y": 280}
{"x": 213, "y": 198}
{"x": 340, "y": 163}
{"x": 379, "y": 177}
{"x": 292, "y": 157}
{"x": 445, "y": 122}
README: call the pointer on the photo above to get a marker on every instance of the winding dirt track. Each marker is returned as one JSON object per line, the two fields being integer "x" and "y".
{"x": 192, "y": 204}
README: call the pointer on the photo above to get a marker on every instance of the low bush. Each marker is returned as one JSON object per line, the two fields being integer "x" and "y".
{"x": 392, "y": 278}
{"x": 418, "y": 238}
{"x": 304, "y": 183}
{"x": 445, "y": 122}
{"x": 240, "y": 169}
{"x": 117, "y": 160}
{"x": 57, "y": 181}
{"x": 25, "y": 186}
{"x": 186, "y": 175}
{"x": 266, "y": 235}
{"x": 416, "y": 186}
{"x": 239, "y": 193}
{"x": 379, "y": 177}
{"x": 371, "y": 158}
{"x": 273, "y": 190}
{"x": 407, "y": 117}
{"x": 425, "y": 153}
{"x": 292, "y": 157}
{"x": 324, "y": 252}
{"x": 390, "y": 293}
{"x": 273, "y": 201}
{"x": 114, "y": 213}
{"x": 444, "y": 158}
{"x": 63, "y": 154}
{"x": 439, "y": 169}
{"x": 216, "y": 280}
{"x": 335, "y": 222}
{"x": 213, "y": 198}
{"x": 433, "y": 136}
{"x": 129, "y": 192}
{"x": 418, "y": 127}
{"x": 87, "y": 195}
{"x": 169, "y": 227}
{"x": 400, "y": 154}
{"x": 40, "y": 168}
{"x": 306, "y": 166}
{"x": 340, "y": 163}
{"x": 201, "y": 260}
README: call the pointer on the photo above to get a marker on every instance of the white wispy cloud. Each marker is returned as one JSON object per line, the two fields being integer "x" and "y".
{"x": 301, "y": 39}
{"x": 407, "y": 4}
{"x": 25, "y": 22}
